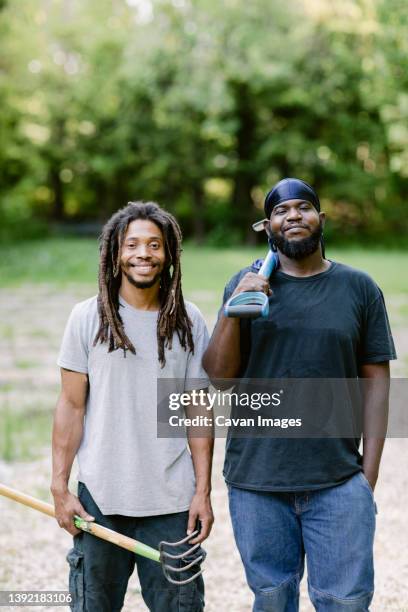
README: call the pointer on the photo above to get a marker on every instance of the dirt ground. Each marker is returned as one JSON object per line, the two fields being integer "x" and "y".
{"x": 33, "y": 548}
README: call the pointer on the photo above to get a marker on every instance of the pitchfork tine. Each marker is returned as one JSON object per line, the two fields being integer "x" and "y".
{"x": 170, "y": 568}
{"x": 182, "y": 555}
{"x": 183, "y": 541}
{"x": 170, "y": 579}
{"x": 183, "y": 569}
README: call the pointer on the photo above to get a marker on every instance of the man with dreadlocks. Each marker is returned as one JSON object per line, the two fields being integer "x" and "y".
{"x": 313, "y": 496}
{"x": 115, "y": 347}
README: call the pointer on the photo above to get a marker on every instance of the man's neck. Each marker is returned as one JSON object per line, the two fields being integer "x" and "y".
{"x": 307, "y": 266}
{"x": 142, "y": 299}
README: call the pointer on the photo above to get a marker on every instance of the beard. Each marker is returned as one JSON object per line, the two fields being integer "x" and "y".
{"x": 142, "y": 284}
{"x": 298, "y": 249}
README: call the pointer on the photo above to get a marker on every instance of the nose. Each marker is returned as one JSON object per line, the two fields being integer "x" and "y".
{"x": 142, "y": 251}
{"x": 293, "y": 214}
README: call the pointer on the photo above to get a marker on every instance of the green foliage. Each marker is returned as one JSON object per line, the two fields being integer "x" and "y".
{"x": 202, "y": 105}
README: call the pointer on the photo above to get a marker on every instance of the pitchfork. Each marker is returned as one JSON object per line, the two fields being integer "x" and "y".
{"x": 159, "y": 556}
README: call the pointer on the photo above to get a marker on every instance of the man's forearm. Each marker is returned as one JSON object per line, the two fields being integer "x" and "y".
{"x": 376, "y": 384}
{"x": 372, "y": 451}
{"x": 374, "y": 429}
{"x": 201, "y": 443}
{"x": 222, "y": 358}
{"x": 66, "y": 438}
{"x": 202, "y": 453}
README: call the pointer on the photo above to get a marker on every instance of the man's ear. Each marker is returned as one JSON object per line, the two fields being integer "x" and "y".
{"x": 260, "y": 226}
{"x": 322, "y": 217}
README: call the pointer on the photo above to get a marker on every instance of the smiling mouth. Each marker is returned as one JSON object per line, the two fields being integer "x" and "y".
{"x": 295, "y": 228}
{"x": 143, "y": 268}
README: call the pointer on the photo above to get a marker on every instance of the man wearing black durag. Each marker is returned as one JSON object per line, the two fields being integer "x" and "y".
{"x": 312, "y": 496}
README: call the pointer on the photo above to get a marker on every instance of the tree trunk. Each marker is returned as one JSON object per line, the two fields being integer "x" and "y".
{"x": 57, "y": 188}
{"x": 198, "y": 213}
{"x": 245, "y": 179}
{"x": 55, "y": 163}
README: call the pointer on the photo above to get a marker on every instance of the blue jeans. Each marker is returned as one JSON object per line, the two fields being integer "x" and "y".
{"x": 99, "y": 571}
{"x": 333, "y": 527}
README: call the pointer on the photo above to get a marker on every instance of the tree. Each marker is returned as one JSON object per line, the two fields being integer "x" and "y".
{"x": 202, "y": 106}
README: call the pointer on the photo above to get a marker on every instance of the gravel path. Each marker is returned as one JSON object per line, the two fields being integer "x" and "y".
{"x": 33, "y": 548}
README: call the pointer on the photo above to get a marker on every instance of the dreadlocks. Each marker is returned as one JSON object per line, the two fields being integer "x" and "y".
{"x": 172, "y": 314}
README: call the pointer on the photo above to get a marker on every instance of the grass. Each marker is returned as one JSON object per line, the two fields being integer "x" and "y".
{"x": 6, "y": 332}
{"x": 63, "y": 262}
{"x": 23, "y": 434}
{"x": 55, "y": 261}
{"x": 24, "y": 364}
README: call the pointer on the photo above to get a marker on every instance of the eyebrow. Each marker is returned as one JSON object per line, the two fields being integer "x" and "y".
{"x": 285, "y": 204}
{"x": 143, "y": 237}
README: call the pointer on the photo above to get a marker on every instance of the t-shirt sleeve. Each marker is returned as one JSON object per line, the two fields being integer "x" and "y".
{"x": 196, "y": 377}
{"x": 74, "y": 349}
{"x": 378, "y": 344}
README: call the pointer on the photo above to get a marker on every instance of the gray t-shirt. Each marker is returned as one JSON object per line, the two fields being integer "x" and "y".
{"x": 127, "y": 469}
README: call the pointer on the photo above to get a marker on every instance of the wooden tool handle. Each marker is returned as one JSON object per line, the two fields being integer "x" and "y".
{"x": 109, "y": 535}
{"x": 27, "y": 500}
{"x": 97, "y": 530}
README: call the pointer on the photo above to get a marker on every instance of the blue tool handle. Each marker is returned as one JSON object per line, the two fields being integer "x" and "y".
{"x": 269, "y": 264}
{"x": 253, "y": 304}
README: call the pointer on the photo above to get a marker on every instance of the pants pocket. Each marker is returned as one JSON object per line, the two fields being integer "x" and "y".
{"x": 368, "y": 486}
{"x": 75, "y": 560}
{"x": 365, "y": 481}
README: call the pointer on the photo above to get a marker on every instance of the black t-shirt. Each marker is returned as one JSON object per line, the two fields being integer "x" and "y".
{"x": 322, "y": 326}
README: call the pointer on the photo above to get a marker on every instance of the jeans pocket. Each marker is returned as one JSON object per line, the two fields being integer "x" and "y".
{"x": 75, "y": 560}
{"x": 367, "y": 484}
{"x": 369, "y": 487}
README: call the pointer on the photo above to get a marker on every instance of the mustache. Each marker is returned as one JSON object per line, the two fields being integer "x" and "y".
{"x": 288, "y": 227}
{"x": 142, "y": 262}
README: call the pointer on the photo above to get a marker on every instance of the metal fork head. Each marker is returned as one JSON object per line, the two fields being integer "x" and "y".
{"x": 168, "y": 569}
